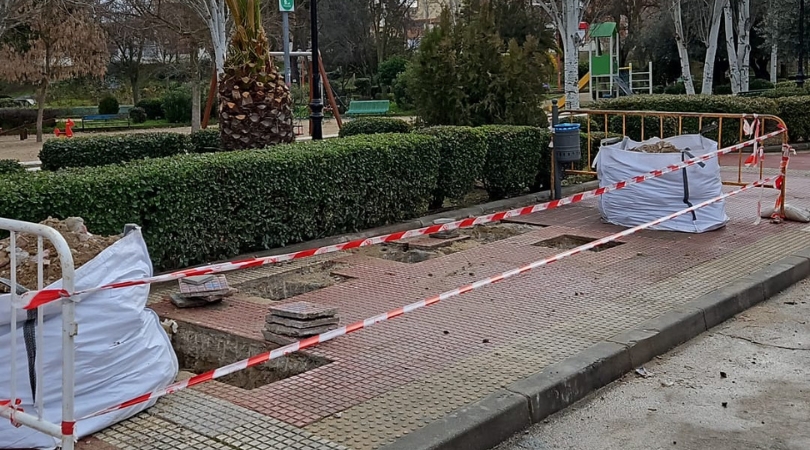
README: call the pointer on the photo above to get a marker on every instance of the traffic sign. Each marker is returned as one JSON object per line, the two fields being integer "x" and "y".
{"x": 286, "y": 5}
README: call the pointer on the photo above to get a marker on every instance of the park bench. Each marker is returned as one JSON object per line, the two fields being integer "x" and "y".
{"x": 368, "y": 108}
{"x": 108, "y": 120}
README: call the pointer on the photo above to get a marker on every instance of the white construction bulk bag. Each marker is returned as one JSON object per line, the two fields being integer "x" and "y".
{"x": 652, "y": 199}
{"x": 122, "y": 351}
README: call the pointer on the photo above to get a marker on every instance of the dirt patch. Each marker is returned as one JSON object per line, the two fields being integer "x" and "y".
{"x": 478, "y": 236}
{"x": 288, "y": 284}
{"x": 568, "y": 242}
{"x": 83, "y": 245}
{"x": 201, "y": 349}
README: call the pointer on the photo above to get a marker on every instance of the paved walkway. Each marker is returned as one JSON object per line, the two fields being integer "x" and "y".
{"x": 382, "y": 383}
{"x": 751, "y": 398}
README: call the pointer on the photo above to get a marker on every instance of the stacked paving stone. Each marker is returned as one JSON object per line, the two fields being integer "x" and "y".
{"x": 201, "y": 290}
{"x": 293, "y": 321}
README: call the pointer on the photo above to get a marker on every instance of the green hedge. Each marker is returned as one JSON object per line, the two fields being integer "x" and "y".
{"x": 197, "y": 208}
{"x": 463, "y": 151}
{"x": 795, "y": 111}
{"x": 206, "y": 141}
{"x": 10, "y": 166}
{"x": 94, "y": 151}
{"x": 153, "y": 108}
{"x": 514, "y": 156}
{"x": 374, "y": 125}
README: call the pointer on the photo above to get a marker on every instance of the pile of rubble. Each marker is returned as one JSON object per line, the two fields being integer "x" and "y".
{"x": 656, "y": 147}
{"x": 83, "y": 246}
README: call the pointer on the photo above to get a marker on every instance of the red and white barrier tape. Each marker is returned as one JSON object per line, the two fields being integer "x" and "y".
{"x": 14, "y": 408}
{"x": 35, "y": 299}
{"x": 329, "y": 335}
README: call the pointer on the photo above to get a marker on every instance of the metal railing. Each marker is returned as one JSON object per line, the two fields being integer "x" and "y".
{"x": 725, "y": 128}
{"x": 12, "y": 408}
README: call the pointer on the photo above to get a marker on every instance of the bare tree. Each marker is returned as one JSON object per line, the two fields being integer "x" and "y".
{"x": 567, "y": 14}
{"x": 681, "y": 39}
{"x": 706, "y": 18}
{"x": 62, "y": 41}
{"x": 738, "y": 58}
{"x": 130, "y": 36}
{"x": 213, "y": 14}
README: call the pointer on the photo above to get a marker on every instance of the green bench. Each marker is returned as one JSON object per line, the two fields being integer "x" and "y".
{"x": 368, "y": 108}
{"x": 107, "y": 121}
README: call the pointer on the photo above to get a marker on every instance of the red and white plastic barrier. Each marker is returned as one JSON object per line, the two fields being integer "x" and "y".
{"x": 35, "y": 299}
{"x": 351, "y": 328}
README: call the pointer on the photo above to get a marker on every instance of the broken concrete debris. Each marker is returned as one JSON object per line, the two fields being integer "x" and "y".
{"x": 201, "y": 290}
{"x": 286, "y": 323}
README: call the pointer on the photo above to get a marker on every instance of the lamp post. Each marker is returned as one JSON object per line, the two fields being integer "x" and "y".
{"x": 800, "y": 75}
{"x": 316, "y": 107}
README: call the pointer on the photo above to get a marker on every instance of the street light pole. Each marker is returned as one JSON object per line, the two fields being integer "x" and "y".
{"x": 316, "y": 107}
{"x": 800, "y": 75}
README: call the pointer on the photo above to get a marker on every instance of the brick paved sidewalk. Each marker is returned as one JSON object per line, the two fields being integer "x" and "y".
{"x": 382, "y": 383}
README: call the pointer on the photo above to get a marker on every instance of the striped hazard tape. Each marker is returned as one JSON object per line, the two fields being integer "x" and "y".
{"x": 351, "y": 328}
{"x": 35, "y": 299}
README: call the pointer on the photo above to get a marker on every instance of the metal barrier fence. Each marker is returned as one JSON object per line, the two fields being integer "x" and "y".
{"x": 33, "y": 328}
{"x": 726, "y": 129}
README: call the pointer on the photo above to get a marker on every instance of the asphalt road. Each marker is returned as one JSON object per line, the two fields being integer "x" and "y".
{"x": 744, "y": 385}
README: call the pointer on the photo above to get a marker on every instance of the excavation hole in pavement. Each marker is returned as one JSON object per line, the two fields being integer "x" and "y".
{"x": 283, "y": 285}
{"x": 568, "y": 242}
{"x": 200, "y": 349}
{"x": 424, "y": 248}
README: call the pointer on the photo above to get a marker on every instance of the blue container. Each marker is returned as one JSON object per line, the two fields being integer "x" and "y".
{"x": 566, "y": 142}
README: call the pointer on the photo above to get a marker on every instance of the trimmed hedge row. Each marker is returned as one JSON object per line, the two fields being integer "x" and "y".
{"x": 462, "y": 151}
{"x": 513, "y": 159}
{"x": 206, "y": 141}
{"x": 10, "y": 166}
{"x": 197, "y": 208}
{"x": 795, "y": 111}
{"x": 94, "y": 151}
{"x": 374, "y": 125}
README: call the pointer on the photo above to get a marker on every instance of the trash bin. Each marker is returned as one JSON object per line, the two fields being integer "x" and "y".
{"x": 566, "y": 143}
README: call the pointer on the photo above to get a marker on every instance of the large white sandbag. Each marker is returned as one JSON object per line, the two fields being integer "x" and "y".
{"x": 122, "y": 351}
{"x": 644, "y": 202}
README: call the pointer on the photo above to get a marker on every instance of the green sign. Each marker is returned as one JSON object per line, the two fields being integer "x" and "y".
{"x": 286, "y": 5}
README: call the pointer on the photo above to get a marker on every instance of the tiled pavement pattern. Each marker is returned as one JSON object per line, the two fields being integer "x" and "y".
{"x": 399, "y": 375}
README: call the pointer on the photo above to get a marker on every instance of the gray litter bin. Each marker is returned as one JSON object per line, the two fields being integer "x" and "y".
{"x": 566, "y": 143}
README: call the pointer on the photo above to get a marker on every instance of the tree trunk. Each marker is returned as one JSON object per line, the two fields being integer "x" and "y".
{"x": 571, "y": 72}
{"x": 571, "y": 15}
{"x": 711, "y": 49}
{"x": 41, "y": 95}
{"x": 774, "y": 59}
{"x": 683, "y": 53}
{"x": 136, "y": 89}
{"x": 733, "y": 63}
{"x": 195, "y": 92}
{"x": 744, "y": 43}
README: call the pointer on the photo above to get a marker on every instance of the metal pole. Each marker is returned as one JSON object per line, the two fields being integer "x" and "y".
{"x": 316, "y": 107}
{"x": 285, "y": 33}
{"x": 800, "y": 75}
{"x": 557, "y": 169}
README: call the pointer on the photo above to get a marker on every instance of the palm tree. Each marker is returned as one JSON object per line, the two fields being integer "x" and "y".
{"x": 255, "y": 106}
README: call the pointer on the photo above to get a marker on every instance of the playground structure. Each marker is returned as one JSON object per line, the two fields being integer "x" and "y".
{"x": 605, "y": 77}
{"x": 69, "y": 124}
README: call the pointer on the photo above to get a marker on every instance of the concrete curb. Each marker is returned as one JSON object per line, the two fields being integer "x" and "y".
{"x": 472, "y": 211}
{"x": 495, "y": 418}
